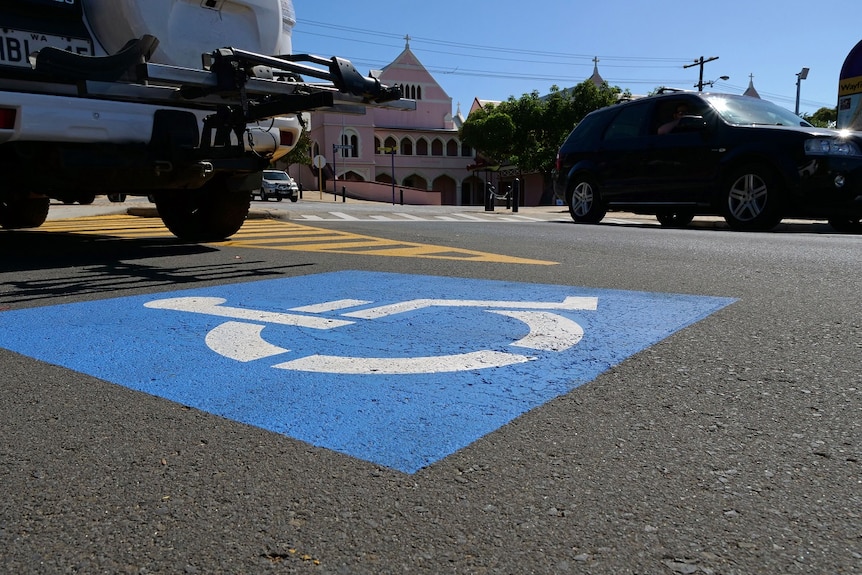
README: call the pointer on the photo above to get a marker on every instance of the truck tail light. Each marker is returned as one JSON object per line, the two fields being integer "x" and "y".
{"x": 286, "y": 138}
{"x": 7, "y": 118}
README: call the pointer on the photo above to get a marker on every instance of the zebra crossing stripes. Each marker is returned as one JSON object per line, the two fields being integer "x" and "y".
{"x": 404, "y": 217}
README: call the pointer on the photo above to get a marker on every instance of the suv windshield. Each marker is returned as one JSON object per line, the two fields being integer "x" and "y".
{"x": 751, "y": 111}
{"x": 274, "y": 175}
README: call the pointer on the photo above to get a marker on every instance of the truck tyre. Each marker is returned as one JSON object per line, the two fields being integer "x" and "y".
{"x": 209, "y": 214}
{"x": 23, "y": 212}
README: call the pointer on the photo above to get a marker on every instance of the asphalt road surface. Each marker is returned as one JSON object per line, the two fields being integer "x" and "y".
{"x": 729, "y": 444}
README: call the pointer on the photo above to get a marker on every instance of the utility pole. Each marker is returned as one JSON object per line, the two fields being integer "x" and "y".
{"x": 700, "y": 62}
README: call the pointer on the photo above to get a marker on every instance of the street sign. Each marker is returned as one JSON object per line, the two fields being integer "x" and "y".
{"x": 396, "y": 369}
{"x": 319, "y": 161}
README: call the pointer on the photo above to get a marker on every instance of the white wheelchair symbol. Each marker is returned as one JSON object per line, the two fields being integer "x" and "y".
{"x": 242, "y": 340}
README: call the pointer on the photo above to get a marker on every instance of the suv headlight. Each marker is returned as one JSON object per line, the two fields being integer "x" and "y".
{"x": 831, "y": 147}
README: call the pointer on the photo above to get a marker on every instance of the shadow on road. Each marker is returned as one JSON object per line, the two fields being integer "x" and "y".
{"x": 99, "y": 265}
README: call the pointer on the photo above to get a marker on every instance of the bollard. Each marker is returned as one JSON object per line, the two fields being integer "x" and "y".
{"x": 402, "y": 196}
{"x": 489, "y": 200}
{"x": 516, "y": 195}
{"x": 343, "y": 194}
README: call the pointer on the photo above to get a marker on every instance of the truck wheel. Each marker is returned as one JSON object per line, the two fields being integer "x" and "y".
{"x": 23, "y": 212}
{"x": 209, "y": 214}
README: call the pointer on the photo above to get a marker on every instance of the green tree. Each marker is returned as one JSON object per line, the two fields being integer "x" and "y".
{"x": 823, "y": 118}
{"x": 300, "y": 152}
{"x": 527, "y": 132}
{"x": 491, "y": 132}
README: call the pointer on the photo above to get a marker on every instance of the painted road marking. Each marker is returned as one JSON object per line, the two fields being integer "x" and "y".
{"x": 213, "y": 306}
{"x": 547, "y": 331}
{"x": 402, "y": 217}
{"x": 570, "y": 302}
{"x": 361, "y": 372}
{"x": 241, "y": 341}
{"x": 279, "y": 235}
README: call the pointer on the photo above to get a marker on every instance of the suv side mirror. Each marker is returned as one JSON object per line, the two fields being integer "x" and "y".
{"x": 691, "y": 124}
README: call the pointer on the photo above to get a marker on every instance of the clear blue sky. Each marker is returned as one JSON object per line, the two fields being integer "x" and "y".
{"x": 493, "y": 49}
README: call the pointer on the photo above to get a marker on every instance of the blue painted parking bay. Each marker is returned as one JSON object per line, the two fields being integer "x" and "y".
{"x": 400, "y": 370}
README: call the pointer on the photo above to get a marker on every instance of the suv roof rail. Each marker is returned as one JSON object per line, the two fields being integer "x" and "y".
{"x": 667, "y": 89}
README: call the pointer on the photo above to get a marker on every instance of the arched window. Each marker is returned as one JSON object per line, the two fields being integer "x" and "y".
{"x": 422, "y": 147}
{"x": 350, "y": 144}
{"x": 451, "y": 148}
{"x": 437, "y": 147}
{"x": 411, "y": 91}
{"x": 406, "y": 147}
{"x": 466, "y": 151}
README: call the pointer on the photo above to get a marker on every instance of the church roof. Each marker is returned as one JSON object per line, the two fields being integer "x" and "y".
{"x": 596, "y": 78}
{"x": 750, "y": 91}
{"x": 407, "y": 60}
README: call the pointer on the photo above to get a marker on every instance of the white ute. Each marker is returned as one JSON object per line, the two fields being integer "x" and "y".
{"x": 185, "y": 101}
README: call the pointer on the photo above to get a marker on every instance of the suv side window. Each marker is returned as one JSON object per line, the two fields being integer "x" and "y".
{"x": 669, "y": 110}
{"x": 587, "y": 132}
{"x": 629, "y": 123}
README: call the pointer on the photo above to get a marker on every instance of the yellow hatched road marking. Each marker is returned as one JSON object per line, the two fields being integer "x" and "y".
{"x": 278, "y": 235}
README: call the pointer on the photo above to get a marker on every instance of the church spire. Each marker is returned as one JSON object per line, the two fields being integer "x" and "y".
{"x": 751, "y": 91}
{"x": 596, "y": 78}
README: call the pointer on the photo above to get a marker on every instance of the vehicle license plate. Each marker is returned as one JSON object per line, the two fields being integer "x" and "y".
{"x": 17, "y": 45}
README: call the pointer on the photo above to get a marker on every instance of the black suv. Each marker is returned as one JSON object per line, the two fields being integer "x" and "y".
{"x": 681, "y": 154}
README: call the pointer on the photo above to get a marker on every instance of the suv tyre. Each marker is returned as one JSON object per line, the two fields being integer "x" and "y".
{"x": 679, "y": 218}
{"x": 752, "y": 198}
{"x": 585, "y": 201}
{"x": 846, "y": 225}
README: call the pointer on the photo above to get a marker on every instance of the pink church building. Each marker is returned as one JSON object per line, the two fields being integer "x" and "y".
{"x": 419, "y": 151}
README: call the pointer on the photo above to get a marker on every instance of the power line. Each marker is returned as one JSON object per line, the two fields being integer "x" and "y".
{"x": 554, "y": 59}
{"x": 501, "y": 59}
{"x": 477, "y": 47}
